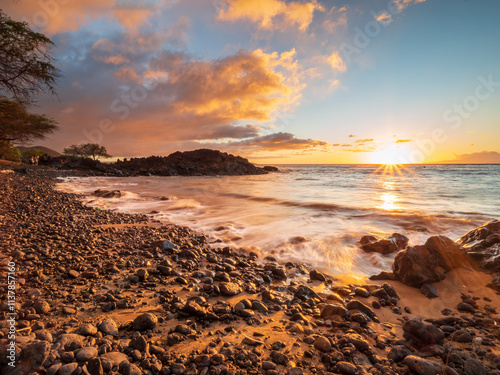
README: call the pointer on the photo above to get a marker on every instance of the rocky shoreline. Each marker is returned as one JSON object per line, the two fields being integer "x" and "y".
{"x": 100, "y": 292}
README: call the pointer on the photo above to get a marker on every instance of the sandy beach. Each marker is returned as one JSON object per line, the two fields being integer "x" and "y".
{"x": 100, "y": 292}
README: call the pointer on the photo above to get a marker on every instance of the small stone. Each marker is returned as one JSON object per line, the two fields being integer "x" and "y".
{"x": 316, "y": 275}
{"x": 465, "y": 307}
{"x": 108, "y": 327}
{"x": 177, "y": 368}
{"x": 398, "y": 353}
{"x": 474, "y": 367}
{"x": 429, "y": 291}
{"x": 461, "y": 336}
{"x": 86, "y": 354}
{"x": 145, "y": 321}
{"x": 88, "y": 329}
{"x": 323, "y": 344}
{"x": 67, "y": 369}
{"x": 295, "y": 371}
{"x": 229, "y": 289}
{"x": 41, "y": 307}
{"x": 422, "y": 366}
{"x": 346, "y": 368}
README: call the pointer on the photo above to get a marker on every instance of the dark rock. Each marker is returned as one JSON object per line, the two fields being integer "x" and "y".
{"x": 357, "y": 305}
{"x": 466, "y": 307}
{"x": 192, "y": 308}
{"x": 86, "y": 354}
{"x": 346, "y": 368}
{"x": 384, "y": 275}
{"x": 428, "y": 263}
{"x": 398, "y": 353}
{"x": 429, "y": 291}
{"x": 41, "y": 307}
{"x": 35, "y": 354}
{"x": 316, "y": 275}
{"x": 423, "y": 366}
{"x": 269, "y": 168}
{"x": 323, "y": 344}
{"x": 334, "y": 309}
{"x": 145, "y": 321}
{"x": 229, "y": 289}
{"x": 474, "y": 367}
{"x": 420, "y": 334}
{"x": 461, "y": 336}
{"x": 304, "y": 293}
{"x": 108, "y": 327}
{"x": 107, "y": 193}
{"x": 94, "y": 367}
{"x": 202, "y": 162}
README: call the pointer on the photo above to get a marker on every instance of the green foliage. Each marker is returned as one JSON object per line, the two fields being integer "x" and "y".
{"x": 17, "y": 125}
{"x": 13, "y": 154}
{"x": 26, "y": 66}
{"x": 87, "y": 150}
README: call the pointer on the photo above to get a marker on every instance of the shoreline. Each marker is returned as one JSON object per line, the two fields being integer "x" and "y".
{"x": 79, "y": 275}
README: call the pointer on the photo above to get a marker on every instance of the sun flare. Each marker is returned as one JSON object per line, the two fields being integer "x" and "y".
{"x": 390, "y": 155}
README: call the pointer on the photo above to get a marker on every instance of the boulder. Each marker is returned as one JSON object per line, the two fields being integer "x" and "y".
{"x": 372, "y": 244}
{"x": 423, "y": 366}
{"x": 420, "y": 334}
{"x": 145, "y": 321}
{"x": 107, "y": 193}
{"x": 483, "y": 245}
{"x": 428, "y": 263}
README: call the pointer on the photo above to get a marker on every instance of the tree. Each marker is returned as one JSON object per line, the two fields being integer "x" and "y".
{"x": 26, "y": 65}
{"x": 87, "y": 150}
{"x": 19, "y": 126}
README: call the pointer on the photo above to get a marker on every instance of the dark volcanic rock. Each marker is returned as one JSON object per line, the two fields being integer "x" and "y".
{"x": 107, "y": 193}
{"x": 421, "y": 334}
{"x": 387, "y": 245}
{"x": 428, "y": 263}
{"x": 145, "y": 321}
{"x": 429, "y": 291}
{"x": 483, "y": 245}
{"x": 190, "y": 163}
{"x": 423, "y": 366}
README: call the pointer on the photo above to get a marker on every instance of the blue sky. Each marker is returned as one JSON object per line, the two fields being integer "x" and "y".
{"x": 277, "y": 81}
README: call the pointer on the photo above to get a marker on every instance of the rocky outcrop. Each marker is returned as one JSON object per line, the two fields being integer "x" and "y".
{"x": 394, "y": 242}
{"x": 483, "y": 245}
{"x": 203, "y": 162}
{"x": 428, "y": 263}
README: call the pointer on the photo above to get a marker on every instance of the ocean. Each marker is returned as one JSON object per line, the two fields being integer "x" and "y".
{"x": 314, "y": 214}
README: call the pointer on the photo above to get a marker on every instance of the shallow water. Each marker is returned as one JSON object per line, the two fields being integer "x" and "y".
{"x": 314, "y": 213}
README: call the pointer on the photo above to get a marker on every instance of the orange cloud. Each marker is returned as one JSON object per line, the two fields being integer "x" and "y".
{"x": 266, "y": 12}
{"x": 54, "y": 17}
{"x": 336, "y": 62}
{"x": 127, "y": 74}
{"x": 403, "y": 140}
{"x": 245, "y": 86}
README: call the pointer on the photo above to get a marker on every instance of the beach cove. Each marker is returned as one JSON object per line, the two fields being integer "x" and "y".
{"x": 103, "y": 292}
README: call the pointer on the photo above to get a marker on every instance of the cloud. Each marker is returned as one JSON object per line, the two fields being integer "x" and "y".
{"x": 277, "y": 142}
{"x": 364, "y": 140}
{"x": 177, "y": 33}
{"x": 483, "y": 157}
{"x": 243, "y": 86}
{"x": 399, "y": 5}
{"x": 51, "y": 17}
{"x": 330, "y": 25}
{"x": 352, "y": 135}
{"x": 336, "y": 62}
{"x": 194, "y": 99}
{"x": 270, "y": 14}
{"x": 403, "y": 140}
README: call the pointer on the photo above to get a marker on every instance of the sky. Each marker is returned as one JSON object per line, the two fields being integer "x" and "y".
{"x": 309, "y": 81}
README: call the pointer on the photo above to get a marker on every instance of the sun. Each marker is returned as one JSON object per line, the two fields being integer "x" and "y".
{"x": 390, "y": 155}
